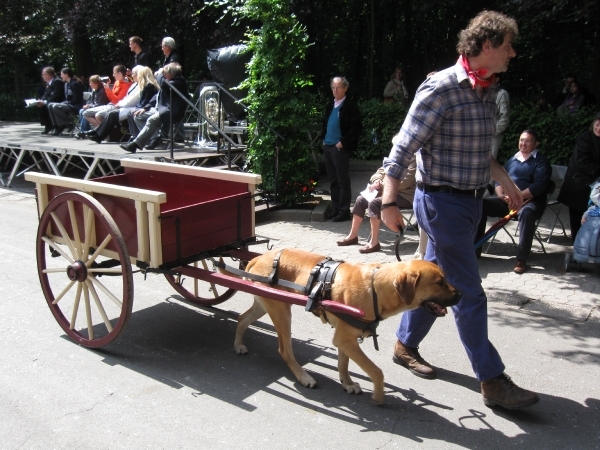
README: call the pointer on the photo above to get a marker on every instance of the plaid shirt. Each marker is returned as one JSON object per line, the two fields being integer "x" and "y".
{"x": 450, "y": 128}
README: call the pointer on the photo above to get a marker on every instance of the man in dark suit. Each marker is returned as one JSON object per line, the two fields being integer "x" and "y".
{"x": 169, "y": 76}
{"x": 55, "y": 93}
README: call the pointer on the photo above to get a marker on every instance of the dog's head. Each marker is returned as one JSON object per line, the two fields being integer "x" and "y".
{"x": 422, "y": 283}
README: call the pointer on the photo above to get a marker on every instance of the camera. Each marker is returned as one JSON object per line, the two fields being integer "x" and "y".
{"x": 105, "y": 79}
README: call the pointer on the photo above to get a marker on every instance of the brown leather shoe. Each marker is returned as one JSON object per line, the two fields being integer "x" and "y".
{"x": 502, "y": 391}
{"x": 367, "y": 249}
{"x": 344, "y": 242}
{"x": 409, "y": 357}
{"x": 520, "y": 267}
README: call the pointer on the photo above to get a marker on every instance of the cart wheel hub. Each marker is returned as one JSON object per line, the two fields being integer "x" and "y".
{"x": 77, "y": 271}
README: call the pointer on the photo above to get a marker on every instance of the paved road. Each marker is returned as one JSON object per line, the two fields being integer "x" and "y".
{"x": 172, "y": 379}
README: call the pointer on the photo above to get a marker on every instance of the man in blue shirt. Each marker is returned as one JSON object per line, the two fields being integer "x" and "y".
{"x": 531, "y": 172}
{"x": 450, "y": 126}
{"x": 342, "y": 127}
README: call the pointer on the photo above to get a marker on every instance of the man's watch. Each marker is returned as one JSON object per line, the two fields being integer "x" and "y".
{"x": 388, "y": 205}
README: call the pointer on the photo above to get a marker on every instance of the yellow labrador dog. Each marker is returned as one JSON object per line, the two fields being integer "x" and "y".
{"x": 399, "y": 286}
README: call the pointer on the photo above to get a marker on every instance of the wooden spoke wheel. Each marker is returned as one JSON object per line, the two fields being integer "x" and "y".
{"x": 198, "y": 291}
{"x": 84, "y": 269}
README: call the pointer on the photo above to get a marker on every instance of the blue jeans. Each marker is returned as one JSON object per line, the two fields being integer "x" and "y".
{"x": 451, "y": 222}
{"x": 84, "y": 125}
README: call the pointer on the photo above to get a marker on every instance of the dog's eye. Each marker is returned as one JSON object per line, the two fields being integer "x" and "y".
{"x": 441, "y": 282}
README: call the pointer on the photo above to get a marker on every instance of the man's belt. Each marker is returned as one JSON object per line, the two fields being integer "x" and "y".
{"x": 477, "y": 193}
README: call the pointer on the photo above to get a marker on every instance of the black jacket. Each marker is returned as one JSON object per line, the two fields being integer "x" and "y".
{"x": 98, "y": 98}
{"x": 74, "y": 94}
{"x": 179, "y": 105}
{"x": 350, "y": 124}
{"x": 172, "y": 58}
{"x": 583, "y": 170}
{"x": 55, "y": 91}
{"x": 147, "y": 97}
{"x": 141, "y": 59}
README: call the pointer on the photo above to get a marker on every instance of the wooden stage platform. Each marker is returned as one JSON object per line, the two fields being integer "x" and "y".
{"x": 24, "y": 148}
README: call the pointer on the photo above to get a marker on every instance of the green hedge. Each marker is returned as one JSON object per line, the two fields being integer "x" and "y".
{"x": 381, "y": 121}
{"x": 557, "y": 133}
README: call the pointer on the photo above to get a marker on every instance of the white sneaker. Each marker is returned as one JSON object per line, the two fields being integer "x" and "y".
{"x": 419, "y": 255}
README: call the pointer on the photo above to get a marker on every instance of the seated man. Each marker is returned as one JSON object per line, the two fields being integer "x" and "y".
{"x": 54, "y": 93}
{"x": 531, "y": 172}
{"x": 170, "y": 76}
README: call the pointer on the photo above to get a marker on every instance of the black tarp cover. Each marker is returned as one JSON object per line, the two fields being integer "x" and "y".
{"x": 227, "y": 67}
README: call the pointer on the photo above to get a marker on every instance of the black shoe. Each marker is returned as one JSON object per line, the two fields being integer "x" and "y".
{"x": 70, "y": 128}
{"x": 153, "y": 143}
{"x": 92, "y": 135}
{"x": 129, "y": 147}
{"x": 331, "y": 214}
{"x": 47, "y": 129}
{"x": 342, "y": 216}
{"x": 80, "y": 135}
{"x": 58, "y": 130}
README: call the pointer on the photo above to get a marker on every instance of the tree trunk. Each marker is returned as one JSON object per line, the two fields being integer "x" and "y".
{"x": 82, "y": 51}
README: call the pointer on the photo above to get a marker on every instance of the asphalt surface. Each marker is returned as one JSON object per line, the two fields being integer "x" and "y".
{"x": 173, "y": 380}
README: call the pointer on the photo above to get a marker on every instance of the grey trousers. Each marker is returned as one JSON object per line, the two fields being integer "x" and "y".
{"x": 149, "y": 130}
{"x": 60, "y": 113}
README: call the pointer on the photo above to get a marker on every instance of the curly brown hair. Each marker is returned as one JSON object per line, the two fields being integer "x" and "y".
{"x": 490, "y": 25}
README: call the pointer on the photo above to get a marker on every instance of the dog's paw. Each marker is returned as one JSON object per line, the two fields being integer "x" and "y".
{"x": 241, "y": 349}
{"x": 377, "y": 400}
{"x": 307, "y": 381}
{"x": 352, "y": 388}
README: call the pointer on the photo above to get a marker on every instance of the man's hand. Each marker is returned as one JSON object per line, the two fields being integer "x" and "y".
{"x": 514, "y": 198}
{"x": 375, "y": 186}
{"x": 339, "y": 145}
{"x": 392, "y": 217}
{"x": 137, "y": 112}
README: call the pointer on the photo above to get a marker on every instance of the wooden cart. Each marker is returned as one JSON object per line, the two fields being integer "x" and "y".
{"x": 161, "y": 218}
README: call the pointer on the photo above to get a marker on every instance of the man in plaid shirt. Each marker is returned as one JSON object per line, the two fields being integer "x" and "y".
{"x": 450, "y": 127}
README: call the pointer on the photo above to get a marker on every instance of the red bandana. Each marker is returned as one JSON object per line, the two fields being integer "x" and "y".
{"x": 475, "y": 76}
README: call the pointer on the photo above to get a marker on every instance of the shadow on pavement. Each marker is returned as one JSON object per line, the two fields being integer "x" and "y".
{"x": 179, "y": 346}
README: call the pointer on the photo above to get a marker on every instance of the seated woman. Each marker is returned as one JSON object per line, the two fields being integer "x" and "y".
{"x": 60, "y": 112}
{"x": 404, "y": 199}
{"x": 531, "y": 172}
{"x": 148, "y": 93}
{"x": 119, "y": 90}
{"x": 98, "y": 98}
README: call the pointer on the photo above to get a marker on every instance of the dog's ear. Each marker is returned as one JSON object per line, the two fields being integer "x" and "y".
{"x": 405, "y": 286}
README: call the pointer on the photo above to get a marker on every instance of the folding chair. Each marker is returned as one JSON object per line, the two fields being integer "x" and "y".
{"x": 536, "y": 233}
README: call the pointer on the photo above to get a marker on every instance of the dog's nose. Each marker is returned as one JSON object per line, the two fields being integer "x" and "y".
{"x": 456, "y": 297}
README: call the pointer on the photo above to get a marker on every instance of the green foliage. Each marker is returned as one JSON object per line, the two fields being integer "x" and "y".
{"x": 557, "y": 133}
{"x": 381, "y": 121}
{"x": 278, "y": 94}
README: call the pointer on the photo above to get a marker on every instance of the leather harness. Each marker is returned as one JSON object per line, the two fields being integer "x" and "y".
{"x": 322, "y": 277}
